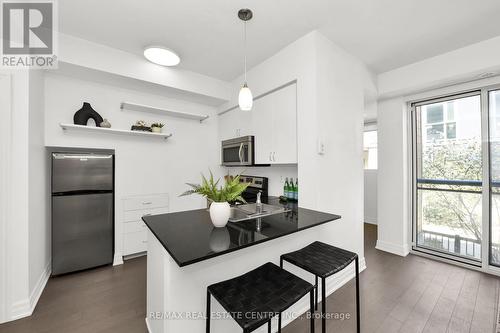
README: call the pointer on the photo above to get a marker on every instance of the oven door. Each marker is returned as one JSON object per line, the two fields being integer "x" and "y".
{"x": 237, "y": 154}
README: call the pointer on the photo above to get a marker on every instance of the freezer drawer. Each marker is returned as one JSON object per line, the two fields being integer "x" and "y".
{"x": 81, "y": 172}
{"x": 82, "y": 232}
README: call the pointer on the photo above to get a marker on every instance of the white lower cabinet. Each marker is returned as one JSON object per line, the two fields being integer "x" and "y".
{"x": 134, "y": 230}
{"x": 135, "y": 242}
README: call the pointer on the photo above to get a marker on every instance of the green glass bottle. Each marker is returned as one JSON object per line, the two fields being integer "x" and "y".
{"x": 291, "y": 190}
{"x": 296, "y": 192}
{"x": 285, "y": 188}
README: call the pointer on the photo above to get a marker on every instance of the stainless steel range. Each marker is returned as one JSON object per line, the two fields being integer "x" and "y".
{"x": 257, "y": 184}
{"x": 256, "y": 195}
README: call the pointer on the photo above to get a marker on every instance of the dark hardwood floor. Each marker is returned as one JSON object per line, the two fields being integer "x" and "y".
{"x": 411, "y": 294}
{"x": 104, "y": 300}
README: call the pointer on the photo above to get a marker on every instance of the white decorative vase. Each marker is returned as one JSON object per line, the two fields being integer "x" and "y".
{"x": 219, "y": 213}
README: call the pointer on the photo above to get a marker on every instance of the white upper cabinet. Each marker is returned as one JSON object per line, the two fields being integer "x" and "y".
{"x": 275, "y": 125}
{"x": 235, "y": 123}
{"x": 262, "y": 123}
{"x": 228, "y": 128}
{"x": 273, "y": 122}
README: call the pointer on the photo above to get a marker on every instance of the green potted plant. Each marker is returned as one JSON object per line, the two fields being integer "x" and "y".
{"x": 220, "y": 196}
{"x": 157, "y": 127}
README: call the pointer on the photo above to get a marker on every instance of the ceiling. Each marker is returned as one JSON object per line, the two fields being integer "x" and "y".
{"x": 385, "y": 34}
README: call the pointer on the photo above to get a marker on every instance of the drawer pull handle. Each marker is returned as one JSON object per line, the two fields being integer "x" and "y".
{"x": 147, "y": 203}
{"x": 144, "y": 241}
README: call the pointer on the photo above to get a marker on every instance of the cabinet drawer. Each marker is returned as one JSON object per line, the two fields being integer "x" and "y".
{"x": 145, "y": 202}
{"x": 135, "y": 226}
{"x": 135, "y": 242}
{"x": 136, "y": 215}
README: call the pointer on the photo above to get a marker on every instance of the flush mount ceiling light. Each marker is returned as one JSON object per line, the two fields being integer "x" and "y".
{"x": 161, "y": 56}
{"x": 245, "y": 98}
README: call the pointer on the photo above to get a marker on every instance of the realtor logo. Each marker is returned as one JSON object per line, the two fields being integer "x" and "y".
{"x": 28, "y": 34}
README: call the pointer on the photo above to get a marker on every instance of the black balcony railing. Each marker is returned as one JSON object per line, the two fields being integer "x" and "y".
{"x": 456, "y": 244}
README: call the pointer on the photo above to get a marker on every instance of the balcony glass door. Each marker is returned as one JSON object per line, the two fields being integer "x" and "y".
{"x": 494, "y": 152}
{"x": 448, "y": 173}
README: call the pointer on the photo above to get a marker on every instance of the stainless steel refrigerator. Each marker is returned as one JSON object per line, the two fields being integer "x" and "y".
{"x": 82, "y": 211}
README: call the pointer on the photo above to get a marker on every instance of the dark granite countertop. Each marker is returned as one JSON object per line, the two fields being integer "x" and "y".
{"x": 190, "y": 236}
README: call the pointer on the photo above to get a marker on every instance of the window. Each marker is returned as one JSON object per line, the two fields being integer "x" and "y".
{"x": 448, "y": 177}
{"x": 439, "y": 121}
{"x": 370, "y": 149}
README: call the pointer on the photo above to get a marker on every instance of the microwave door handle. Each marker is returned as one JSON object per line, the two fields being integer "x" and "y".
{"x": 239, "y": 153}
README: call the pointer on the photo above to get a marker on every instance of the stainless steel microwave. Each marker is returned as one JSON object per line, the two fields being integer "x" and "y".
{"x": 238, "y": 151}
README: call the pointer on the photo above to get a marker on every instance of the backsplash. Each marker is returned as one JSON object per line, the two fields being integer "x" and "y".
{"x": 275, "y": 173}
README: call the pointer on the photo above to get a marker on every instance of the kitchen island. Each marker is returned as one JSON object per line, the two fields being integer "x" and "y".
{"x": 186, "y": 253}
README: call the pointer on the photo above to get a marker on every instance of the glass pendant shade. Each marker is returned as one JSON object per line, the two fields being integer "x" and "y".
{"x": 245, "y": 98}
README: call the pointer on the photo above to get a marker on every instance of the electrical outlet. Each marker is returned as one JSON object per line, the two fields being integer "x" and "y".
{"x": 321, "y": 147}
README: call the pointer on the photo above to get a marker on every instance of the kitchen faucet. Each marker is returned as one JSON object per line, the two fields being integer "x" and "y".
{"x": 258, "y": 203}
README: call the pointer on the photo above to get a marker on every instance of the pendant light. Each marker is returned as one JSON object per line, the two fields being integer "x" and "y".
{"x": 245, "y": 98}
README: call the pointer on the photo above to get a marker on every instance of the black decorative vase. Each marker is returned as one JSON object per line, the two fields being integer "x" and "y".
{"x": 83, "y": 115}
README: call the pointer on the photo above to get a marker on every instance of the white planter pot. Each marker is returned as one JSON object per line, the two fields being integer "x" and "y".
{"x": 219, "y": 213}
{"x": 156, "y": 129}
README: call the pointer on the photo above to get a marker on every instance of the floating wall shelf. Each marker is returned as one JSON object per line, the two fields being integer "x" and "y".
{"x": 71, "y": 127}
{"x": 145, "y": 108}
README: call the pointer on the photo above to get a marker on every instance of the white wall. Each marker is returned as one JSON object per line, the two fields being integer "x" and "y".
{"x": 38, "y": 201}
{"x": 143, "y": 165}
{"x": 330, "y": 103}
{"x": 16, "y": 268}
{"x": 392, "y": 193}
{"x": 370, "y": 196}
{"x": 5, "y": 111}
{"x": 340, "y": 107}
{"x": 17, "y": 223}
{"x": 450, "y": 68}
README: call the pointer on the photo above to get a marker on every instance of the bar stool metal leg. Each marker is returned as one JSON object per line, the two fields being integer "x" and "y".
{"x": 316, "y": 292}
{"x": 281, "y": 262}
{"x": 279, "y": 322}
{"x": 208, "y": 313}
{"x": 323, "y": 305}
{"x": 358, "y": 317}
{"x": 269, "y": 326}
{"x": 313, "y": 305}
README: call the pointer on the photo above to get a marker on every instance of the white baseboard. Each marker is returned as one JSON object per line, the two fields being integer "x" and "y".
{"x": 498, "y": 316}
{"x": 135, "y": 255}
{"x": 371, "y": 220}
{"x": 26, "y": 307}
{"x": 39, "y": 287}
{"x": 400, "y": 250}
{"x": 19, "y": 310}
{"x": 118, "y": 259}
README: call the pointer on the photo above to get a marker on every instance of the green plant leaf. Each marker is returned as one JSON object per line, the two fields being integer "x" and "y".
{"x": 229, "y": 192}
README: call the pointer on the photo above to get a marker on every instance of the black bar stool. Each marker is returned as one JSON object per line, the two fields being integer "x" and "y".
{"x": 324, "y": 260}
{"x": 254, "y": 298}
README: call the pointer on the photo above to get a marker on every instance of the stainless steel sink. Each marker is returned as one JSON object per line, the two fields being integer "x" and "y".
{"x": 249, "y": 211}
